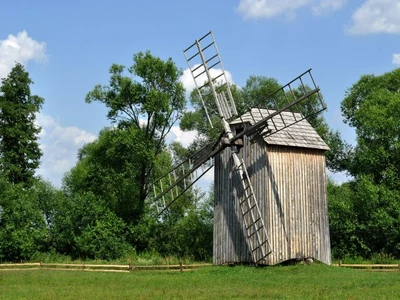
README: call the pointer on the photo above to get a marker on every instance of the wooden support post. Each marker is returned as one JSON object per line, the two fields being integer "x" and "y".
{"x": 340, "y": 263}
{"x": 180, "y": 266}
{"x": 40, "y": 265}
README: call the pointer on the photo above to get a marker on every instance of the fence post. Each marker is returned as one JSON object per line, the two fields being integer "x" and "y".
{"x": 40, "y": 265}
{"x": 83, "y": 266}
{"x": 180, "y": 266}
{"x": 340, "y": 263}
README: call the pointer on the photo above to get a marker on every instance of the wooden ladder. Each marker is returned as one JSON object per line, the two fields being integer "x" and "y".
{"x": 253, "y": 221}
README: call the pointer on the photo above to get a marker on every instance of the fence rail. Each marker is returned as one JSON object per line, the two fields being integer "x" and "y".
{"x": 371, "y": 267}
{"x": 98, "y": 267}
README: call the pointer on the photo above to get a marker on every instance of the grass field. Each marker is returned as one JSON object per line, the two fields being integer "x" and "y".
{"x": 240, "y": 282}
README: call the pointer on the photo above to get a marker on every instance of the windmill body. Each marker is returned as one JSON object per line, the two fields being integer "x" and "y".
{"x": 270, "y": 180}
{"x": 288, "y": 173}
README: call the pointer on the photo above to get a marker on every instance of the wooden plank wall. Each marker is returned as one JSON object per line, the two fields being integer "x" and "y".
{"x": 290, "y": 184}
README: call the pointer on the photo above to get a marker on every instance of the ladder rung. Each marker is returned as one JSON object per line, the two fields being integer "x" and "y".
{"x": 259, "y": 246}
{"x": 211, "y": 58}
{"x": 198, "y": 67}
{"x": 249, "y": 210}
{"x": 193, "y": 56}
{"x": 246, "y": 198}
{"x": 204, "y": 36}
{"x": 218, "y": 62}
{"x": 248, "y": 187}
{"x": 207, "y": 83}
{"x": 248, "y": 227}
{"x": 217, "y": 76}
{"x": 208, "y": 46}
{"x": 255, "y": 231}
{"x": 199, "y": 74}
{"x": 249, "y": 196}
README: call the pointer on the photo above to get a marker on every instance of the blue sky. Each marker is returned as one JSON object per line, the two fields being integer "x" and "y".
{"x": 68, "y": 47}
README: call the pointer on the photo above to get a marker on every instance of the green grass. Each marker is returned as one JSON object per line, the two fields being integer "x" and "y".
{"x": 241, "y": 282}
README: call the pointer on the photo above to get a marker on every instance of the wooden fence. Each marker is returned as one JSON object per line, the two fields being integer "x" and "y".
{"x": 371, "y": 267}
{"x": 179, "y": 267}
{"x": 97, "y": 267}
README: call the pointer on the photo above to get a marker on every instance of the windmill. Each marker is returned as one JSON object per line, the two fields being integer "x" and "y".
{"x": 254, "y": 230}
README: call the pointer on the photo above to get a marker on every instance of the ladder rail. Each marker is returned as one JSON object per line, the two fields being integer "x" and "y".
{"x": 253, "y": 229}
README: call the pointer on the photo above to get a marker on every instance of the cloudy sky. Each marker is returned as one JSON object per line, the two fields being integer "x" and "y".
{"x": 68, "y": 46}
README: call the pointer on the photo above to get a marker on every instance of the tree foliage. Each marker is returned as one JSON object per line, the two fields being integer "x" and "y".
{"x": 372, "y": 107}
{"x": 110, "y": 168}
{"x": 365, "y": 213}
{"x": 149, "y": 102}
{"x": 19, "y": 149}
{"x": 23, "y": 230}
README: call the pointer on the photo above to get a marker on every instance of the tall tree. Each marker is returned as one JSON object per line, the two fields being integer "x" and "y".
{"x": 19, "y": 150}
{"x": 372, "y": 107}
{"x": 110, "y": 168}
{"x": 151, "y": 100}
{"x": 366, "y": 211}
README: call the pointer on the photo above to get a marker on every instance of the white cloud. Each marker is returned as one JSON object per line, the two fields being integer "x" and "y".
{"x": 396, "y": 59}
{"x": 184, "y": 137}
{"x": 20, "y": 48}
{"x": 255, "y": 9}
{"x": 376, "y": 16}
{"x": 60, "y": 146}
{"x": 326, "y": 6}
{"x": 188, "y": 82}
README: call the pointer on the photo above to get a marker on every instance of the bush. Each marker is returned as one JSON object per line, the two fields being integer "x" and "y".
{"x": 22, "y": 226}
{"x": 104, "y": 239}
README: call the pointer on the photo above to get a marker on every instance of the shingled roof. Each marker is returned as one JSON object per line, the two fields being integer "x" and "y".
{"x": 300, "y": 134}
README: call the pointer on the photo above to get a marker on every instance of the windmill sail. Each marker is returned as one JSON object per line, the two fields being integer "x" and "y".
{"x": 209, "y": 63}
{"x": 170, "y": 186}
{"x": 206, "y": 67}
{"x": 266, "y": 122}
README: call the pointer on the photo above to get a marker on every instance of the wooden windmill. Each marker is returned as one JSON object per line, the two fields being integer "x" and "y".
{"x": 270, "y": 186}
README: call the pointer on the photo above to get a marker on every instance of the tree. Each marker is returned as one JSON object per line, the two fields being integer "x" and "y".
{"x": 372, "y": 107}
{"x": 365, "y": 213}
{"x": 84, "y": 227}
{"x": 23, "y": 230}
{"x": 151, "y": 100}
{"x": 19, "y": 149}
{"x": 110, "y": 168}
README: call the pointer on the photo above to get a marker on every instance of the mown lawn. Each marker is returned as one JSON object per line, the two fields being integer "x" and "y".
{"x": 241, "y": 282}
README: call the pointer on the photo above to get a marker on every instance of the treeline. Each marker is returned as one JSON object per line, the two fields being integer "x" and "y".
{"x": 104, "y": 208}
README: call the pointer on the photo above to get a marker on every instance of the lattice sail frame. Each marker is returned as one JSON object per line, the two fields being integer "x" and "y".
{"x": 207, "y": 70}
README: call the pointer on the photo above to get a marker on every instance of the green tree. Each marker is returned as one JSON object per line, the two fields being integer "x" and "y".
{"x": 365, "y": 213}
{"x": 84, "y": 227}
{"x": 372, "y": 107}
{"x": 150, "y": 100}
{"x": 19, "y": 150}
{"x": 110, "y": 168}
{"x": 23, "y": 229}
